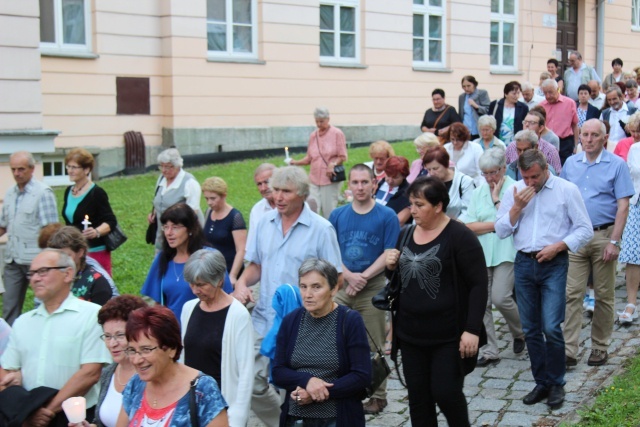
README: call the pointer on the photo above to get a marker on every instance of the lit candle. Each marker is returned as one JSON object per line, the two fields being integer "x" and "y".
{"x": 286, "y": 153}
{"x": 75, "y": 409}
{"x": 86, "y": 222}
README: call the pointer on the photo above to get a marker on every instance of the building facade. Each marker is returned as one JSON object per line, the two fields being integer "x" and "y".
{"x": 227, "y": 76}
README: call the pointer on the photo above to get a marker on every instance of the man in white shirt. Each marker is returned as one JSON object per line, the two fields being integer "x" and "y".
{"x": 597, "y": 97}
{"x": 547, "y": 217}
{"x": 617, "y": 115}
{"x": 529, "y": 96}
{"x": 579, "y": 73}
{"x": 261, "y": 177}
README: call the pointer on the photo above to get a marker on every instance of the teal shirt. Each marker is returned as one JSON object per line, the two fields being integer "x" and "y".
{"x": 72, "y": 205}
{"x": 482, "y": 209}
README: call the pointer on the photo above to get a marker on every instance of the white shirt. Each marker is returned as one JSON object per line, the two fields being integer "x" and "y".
{"x": 599, "y": 101}
{"x": 111, "y": 405}
{"x": 466, "y": 160}
{"x": 616, "y": 132}
{"x": 537, "y": 99}
{"x": 557, "y": 213}
{"x": 257, "y": 212}
{"x": 633, "y": 161}
{"x": 192, "y": 190}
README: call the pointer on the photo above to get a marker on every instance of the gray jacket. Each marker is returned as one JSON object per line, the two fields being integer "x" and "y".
{"x": 481, "y": 97}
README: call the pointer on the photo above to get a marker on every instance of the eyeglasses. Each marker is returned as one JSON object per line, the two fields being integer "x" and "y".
{"x": 173, "y": 228}
{"x": 73, "y": 168}
{"x": 166, "y": 167}
{"x": 116, "y": 337}
{"x": 41, "y": 272}
{"x": 492, "y": 173}
{"x": 529, "y": 122}
{"x": 143, "y": 352}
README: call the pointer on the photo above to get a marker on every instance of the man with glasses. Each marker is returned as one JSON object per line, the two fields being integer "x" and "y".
{"x": 56, "y": 345}
{"x": 534, "y": 122}
{"x": 28, "y": 206}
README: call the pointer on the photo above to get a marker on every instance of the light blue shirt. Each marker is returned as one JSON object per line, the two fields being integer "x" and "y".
{"x": 556, "y": 213}
{"x": 468, "y": 120}
{"x": 601, "y": 184}
{"x": 280, "y": 256}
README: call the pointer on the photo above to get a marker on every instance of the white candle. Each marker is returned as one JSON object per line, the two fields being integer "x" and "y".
{"x": 75, "y": 409}
{"x": 86, "y": 222}
{"x": 286, "y": 153}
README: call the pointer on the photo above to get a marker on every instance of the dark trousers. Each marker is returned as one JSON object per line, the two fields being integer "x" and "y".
{"x": 567, "y": 145}
{"x": 434, "y": 377}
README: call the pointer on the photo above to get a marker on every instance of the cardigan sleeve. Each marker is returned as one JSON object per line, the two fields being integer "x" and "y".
{"x": 283, "y": 375}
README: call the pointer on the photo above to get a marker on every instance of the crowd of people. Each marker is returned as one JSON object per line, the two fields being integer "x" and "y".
{"x": 526, "y": 203}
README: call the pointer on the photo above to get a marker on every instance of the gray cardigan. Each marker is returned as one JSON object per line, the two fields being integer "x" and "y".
{"x": 481, "y": 97}
{"x": 105, "y": 379}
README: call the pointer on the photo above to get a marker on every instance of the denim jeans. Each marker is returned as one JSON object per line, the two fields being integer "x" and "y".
{"x": 541, "y": 302}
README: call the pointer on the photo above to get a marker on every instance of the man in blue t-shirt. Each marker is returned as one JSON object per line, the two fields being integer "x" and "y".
{"x": 366, "y": 230}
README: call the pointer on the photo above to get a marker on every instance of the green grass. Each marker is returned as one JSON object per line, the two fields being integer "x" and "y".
{"x": 618, "y": 404}
{"x": 130, "y": 198}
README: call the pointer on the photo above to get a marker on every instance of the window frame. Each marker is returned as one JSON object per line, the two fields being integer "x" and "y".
{"x": 426, "y": 10}
{"x": 55, "y": 180}
{"x": 337, "y": 59}
{"x": 635, "y": 15}
{"x": 501, "y": 18}
{"x": 59, "y": 47}
{"x": 229, "y": 54}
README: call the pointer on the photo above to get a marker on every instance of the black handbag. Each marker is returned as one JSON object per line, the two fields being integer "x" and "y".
{"x": 115, "y": 238}
{"x": 380, "y": 369}
{"x": 339, "y": 172}
{"x": 387, "y": 298}
{"x": 152, "y": 228}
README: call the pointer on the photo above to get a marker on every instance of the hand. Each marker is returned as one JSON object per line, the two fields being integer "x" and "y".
{"x": 610, "y": 253}
{"x": 472, "y": 103}
{"x": 548, "y": 253}
{"x": 351, "y": 290}
{"x": 83, "y": 423}
{"x": 522, "y": 198}
{"x": 90, "y": 233}
{"x": 468, "y": 344}
{"x": 242, "y": 293}
{"x": 318, "y": 389}
{"x": 11, "y": 378}
{"x": 496, "y": 187}
{"x": 233, "y": 281}
{"x": 151, "y": 218}
{"x": 40, "y": 418}
{"x": 330, "y": 172}
{"x": 391, "y": 262}
{"x": 301, "y": 396}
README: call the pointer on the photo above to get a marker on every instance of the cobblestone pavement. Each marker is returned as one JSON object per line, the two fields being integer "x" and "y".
{"x": 495, "y": 393}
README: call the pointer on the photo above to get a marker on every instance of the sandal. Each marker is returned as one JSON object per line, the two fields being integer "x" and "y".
{"x": 625, "y": 316}
{"x": 387, "y": 347}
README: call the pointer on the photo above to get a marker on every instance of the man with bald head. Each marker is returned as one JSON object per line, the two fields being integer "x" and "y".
{"x": 28, "y": 206}
{"x": 597, "y": 97}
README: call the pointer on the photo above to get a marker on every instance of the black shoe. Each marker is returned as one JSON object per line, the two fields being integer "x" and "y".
{"x": 518, "y": 345}
{"x": 485, "y": 361}
{"x": 571, "y": 362}
{"x": 556, "y": 396}
{"x": 537, "y": 395}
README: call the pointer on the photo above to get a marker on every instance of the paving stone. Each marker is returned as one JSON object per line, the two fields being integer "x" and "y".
{"x": 516, "y": 419}
{"x": 482, "y": 404}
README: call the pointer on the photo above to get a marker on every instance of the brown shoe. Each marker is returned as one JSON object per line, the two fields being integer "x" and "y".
{"x": 597, "y": 357}
{"x": 374, "y": 406}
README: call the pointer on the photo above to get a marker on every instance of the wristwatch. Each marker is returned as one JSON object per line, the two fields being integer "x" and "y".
{"x": 615, "y": 243}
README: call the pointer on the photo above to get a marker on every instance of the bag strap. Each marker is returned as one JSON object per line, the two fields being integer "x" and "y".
{"x": 441, "y": 115}
{"x": 156, "y": 193}
{"x": 193, "y": 414}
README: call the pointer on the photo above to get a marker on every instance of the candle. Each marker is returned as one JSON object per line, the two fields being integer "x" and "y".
{"x": 86, "y": 222}
{"x": 75, "y": 409}
{"x": 286, "y": 153}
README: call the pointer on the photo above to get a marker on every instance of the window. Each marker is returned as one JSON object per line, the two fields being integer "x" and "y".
{"x": 339, "y": 26}
{"x": 54, "y": 172}
{"x": 635, "y": 14}
{"x": 503, "y": 34}
{"x": 231, "y": 29}
{"x": 64, "y": 25}
{"x": 428, "y": 32}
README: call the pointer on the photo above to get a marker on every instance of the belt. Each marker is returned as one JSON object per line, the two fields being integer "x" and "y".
{"x": 534, "y": 255}
{"x": 602, "y": 227}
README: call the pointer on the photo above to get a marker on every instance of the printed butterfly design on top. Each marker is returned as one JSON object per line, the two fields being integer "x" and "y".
{"x": 425, "y": 268}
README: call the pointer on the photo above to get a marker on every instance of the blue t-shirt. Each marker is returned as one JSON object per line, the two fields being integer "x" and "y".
{"x": 172, "y": 290}
{"x": 363, "y": 238}
{"x": 209, "y": 401}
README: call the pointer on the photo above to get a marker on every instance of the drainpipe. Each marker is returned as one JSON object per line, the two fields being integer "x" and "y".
{"x": 600, "y": 37}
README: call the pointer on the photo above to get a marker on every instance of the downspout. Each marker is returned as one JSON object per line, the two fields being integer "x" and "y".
{"x": 600, "y": 37}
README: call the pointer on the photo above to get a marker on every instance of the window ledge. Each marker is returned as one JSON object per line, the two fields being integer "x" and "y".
{"x": 69, "y": 54}
{"x": 236, "y": 60}
{"x": 342, "y": 65}
{"x": 506, "y": 72}
{"x": 428, "y": 69}
{"x": 635, "y": 29}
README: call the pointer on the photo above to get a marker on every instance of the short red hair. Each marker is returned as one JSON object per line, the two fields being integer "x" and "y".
{"x": 157, "y": 322}
{"x": 439, "y": 154}
{"x": 396, "y": 165}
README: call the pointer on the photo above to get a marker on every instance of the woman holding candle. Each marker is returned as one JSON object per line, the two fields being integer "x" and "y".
{"x": 327, "y": 149}
{"x": 86, "y": 205}
{"x": 182, "y": 236}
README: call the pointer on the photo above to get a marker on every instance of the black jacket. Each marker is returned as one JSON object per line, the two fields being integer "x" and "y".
{"x": 496, "y": 111}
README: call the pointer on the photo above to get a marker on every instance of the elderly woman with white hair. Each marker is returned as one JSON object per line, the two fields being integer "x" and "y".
{"x": 175, "y": 185}
{"x": 499, "y": 254}
{"x": 327, "y": 149}
{"x": 217, "y": 333}
{"x": 487, "y": 126}
{"x": 422, "y": 143}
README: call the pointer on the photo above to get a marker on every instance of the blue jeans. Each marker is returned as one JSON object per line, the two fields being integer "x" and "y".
{"x": 540, "y": 288}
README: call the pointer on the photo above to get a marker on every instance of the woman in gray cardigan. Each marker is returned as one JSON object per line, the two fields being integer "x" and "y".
{"x": 113, "y": 318}
{"x": 472, "y": 104}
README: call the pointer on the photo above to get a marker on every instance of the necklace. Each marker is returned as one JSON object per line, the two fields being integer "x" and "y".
{"x": 75, "y": 191}
{"x": 175, "y": 272}
{"x": 118, "y": 369}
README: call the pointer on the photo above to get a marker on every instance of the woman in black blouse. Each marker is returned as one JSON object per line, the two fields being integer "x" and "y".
{"x": 86, "y": 206}
{"x": 441, "y": 305}
{"x": 438, "y": 118}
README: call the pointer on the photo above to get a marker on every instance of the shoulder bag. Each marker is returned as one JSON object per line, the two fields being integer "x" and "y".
{"x": 339, "y": 173}
{"x": 115, "y": 238}
{"x": 193, "y": 412}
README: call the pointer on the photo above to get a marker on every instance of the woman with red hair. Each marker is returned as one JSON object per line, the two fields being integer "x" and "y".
{"x": 392, "y": 189}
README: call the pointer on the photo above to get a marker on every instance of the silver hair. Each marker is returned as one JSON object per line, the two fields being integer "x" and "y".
{"x": 577, "y": 54}
{"x": 322, "y": 267}
{"x": 64, "y": 260}
{"x": 264, "y": 168}
{"x": 526, "y": 86}
{"x": 614, "y": 88}
{"x": 603, "y": 127}
{"x": 425, "y": 140}
{"x": 321, "y": 113}
{"x": 634, "y": 120}
{"x": 530, "y": 158}
{"x": 630, "y": 83}
{"x": 528, "y": 136}
{"x": 487, "y": 120}
{"x": 31, "y": 161}
{"x": 549, "y": 83}
{"x": 205, "y": 266}
{"x": 292, "y": 175}
{"x": 171, "y": 155}
{"x": 492, "y": 158}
